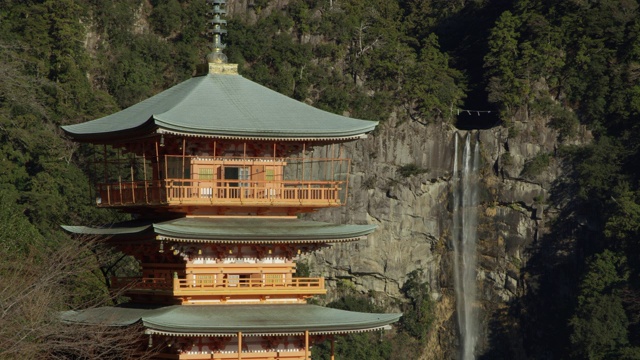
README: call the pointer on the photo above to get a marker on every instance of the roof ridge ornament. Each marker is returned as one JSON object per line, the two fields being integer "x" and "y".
{"x": 217, "y": 29}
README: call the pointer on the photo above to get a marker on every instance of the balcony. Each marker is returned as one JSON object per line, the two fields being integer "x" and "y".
{"x": 226, "y": 182}
{"x": 258, "y": 355}
{"x": 228, "y": 193}
{"x": 217, "y": 284}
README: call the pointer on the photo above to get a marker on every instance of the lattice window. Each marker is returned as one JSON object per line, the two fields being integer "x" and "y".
{"x": 273, "y": 279}
{"x": 233, "y": 280}
{"x": 206, "y": 174}
{"x": 269, "y": 174}
{"x": 206, "y": 280}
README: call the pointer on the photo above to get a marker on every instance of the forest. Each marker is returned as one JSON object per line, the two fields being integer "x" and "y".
{"x": 575, "y": 63}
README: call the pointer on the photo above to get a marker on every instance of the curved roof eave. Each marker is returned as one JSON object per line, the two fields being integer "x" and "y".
{"x": 230, "y": 230}
{"x": 262, "y": 318}
{"x": 258, "y": 229}
{"x": 268, "y": 333}
{"x": 227, "y": 320}
{"x": 222, "y": 106}
{"x": 116, "y": 230}
{"x": 263, "y": 137}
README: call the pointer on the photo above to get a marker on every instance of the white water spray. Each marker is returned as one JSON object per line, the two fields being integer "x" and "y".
{"x": 465, "y": 219}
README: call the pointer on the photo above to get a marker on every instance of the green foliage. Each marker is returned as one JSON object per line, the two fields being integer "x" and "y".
{"x": 600, "y": 328}
{"x": 406, "y": 343}
{"x": 623, "y": 224}
{"x": 165, "y": 17}
{"x": 355, "y": 346}
{"x": 536, "y": 166}
{"x": 562, "y": 119}
{"x": 600, "y": 322}
{"x": 302, "y": 269}
{"x": 418, "y": 315}
{"x": 599, "y": 168}
{"x": 365, "y": 48}
{"x": 436, "y": 88}
{"x": 506, "y": 86}
{"x": 506, "y": 159}
{"x": 410, "y": 170}
{"x": 18, "y": 235}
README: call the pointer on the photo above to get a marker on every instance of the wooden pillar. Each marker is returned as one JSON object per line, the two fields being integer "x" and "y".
{"x": 144, "y": 167}
{"x": 131, "y": 164}
{"x": 184, "y": 150}
{"x": 333, "y": 341}
{"x": 304, "y": 149}
{"x": 332, "y": 163}
{"x": 239, "y": 345}
{"x": 346, "y": 183}
{"x": 158, "y": 160}
{"x": 166, "y": 176}
{"x": 104, "y": 154}
{"x": 306, "y": 345}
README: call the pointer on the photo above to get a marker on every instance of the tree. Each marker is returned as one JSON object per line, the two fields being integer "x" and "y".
{"x": 505, "y": 86}
{"x": 40, "y": 278}
{"x": 433, "y": 88}
{"x": 418, "y": 313}
{"x": 599, "y": 325}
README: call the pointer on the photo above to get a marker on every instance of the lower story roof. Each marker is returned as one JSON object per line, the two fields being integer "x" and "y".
{"x": 256, "y": 229}
{"x": 228, "y": 320}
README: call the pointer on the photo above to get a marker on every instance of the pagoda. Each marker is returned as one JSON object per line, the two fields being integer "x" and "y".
{"x": 215, "y": 172}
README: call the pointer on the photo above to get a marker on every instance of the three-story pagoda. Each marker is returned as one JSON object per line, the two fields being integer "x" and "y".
{"x": 215, "y": 171}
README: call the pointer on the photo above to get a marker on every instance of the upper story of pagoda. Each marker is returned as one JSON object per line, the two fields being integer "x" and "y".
{"x": 219, "y": 144}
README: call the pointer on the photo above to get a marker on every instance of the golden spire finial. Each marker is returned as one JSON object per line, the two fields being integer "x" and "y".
{"x": 217, "y": 23}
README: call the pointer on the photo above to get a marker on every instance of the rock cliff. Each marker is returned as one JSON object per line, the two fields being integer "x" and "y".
{"x": 414, "y": 217}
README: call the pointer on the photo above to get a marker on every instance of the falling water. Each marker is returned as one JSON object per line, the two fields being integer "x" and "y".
{"x": 465, "y": 218}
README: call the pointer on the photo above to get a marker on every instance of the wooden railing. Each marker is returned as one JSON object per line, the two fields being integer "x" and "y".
{"x": 131, "y": 193}
{"x": 198, "y": 283}
{"x": 211, "y": 282}
{"x": 281, "y": 355}
{"x": 141, "y": 283}
{"x": 228, "y": 192}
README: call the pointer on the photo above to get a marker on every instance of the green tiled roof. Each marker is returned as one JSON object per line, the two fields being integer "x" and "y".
{"x": 220, "y": 105}
{"x": 112, "y": 316}
{"x": 253, "y": 229}
{"x": 230, "y": 319}
{"x": 123, "y": 229}
{"x": 258, "y": 229}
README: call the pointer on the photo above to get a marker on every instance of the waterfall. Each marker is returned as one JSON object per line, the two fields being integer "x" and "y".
{"x": 464, "y": 237}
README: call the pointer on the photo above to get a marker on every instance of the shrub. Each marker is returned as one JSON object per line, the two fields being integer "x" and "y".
{"x": 411, "y": 170}
{"x": 536, "y": 165}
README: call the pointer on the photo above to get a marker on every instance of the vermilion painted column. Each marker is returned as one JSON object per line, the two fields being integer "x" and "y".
{"x": 306, "y": 345}
{"x": 239, "y": 345}
{"x": 333, "y": 340}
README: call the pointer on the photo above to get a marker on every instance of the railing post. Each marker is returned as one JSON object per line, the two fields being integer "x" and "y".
{"x": 176, "y": 281}
{"x": 120, "y": 188}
